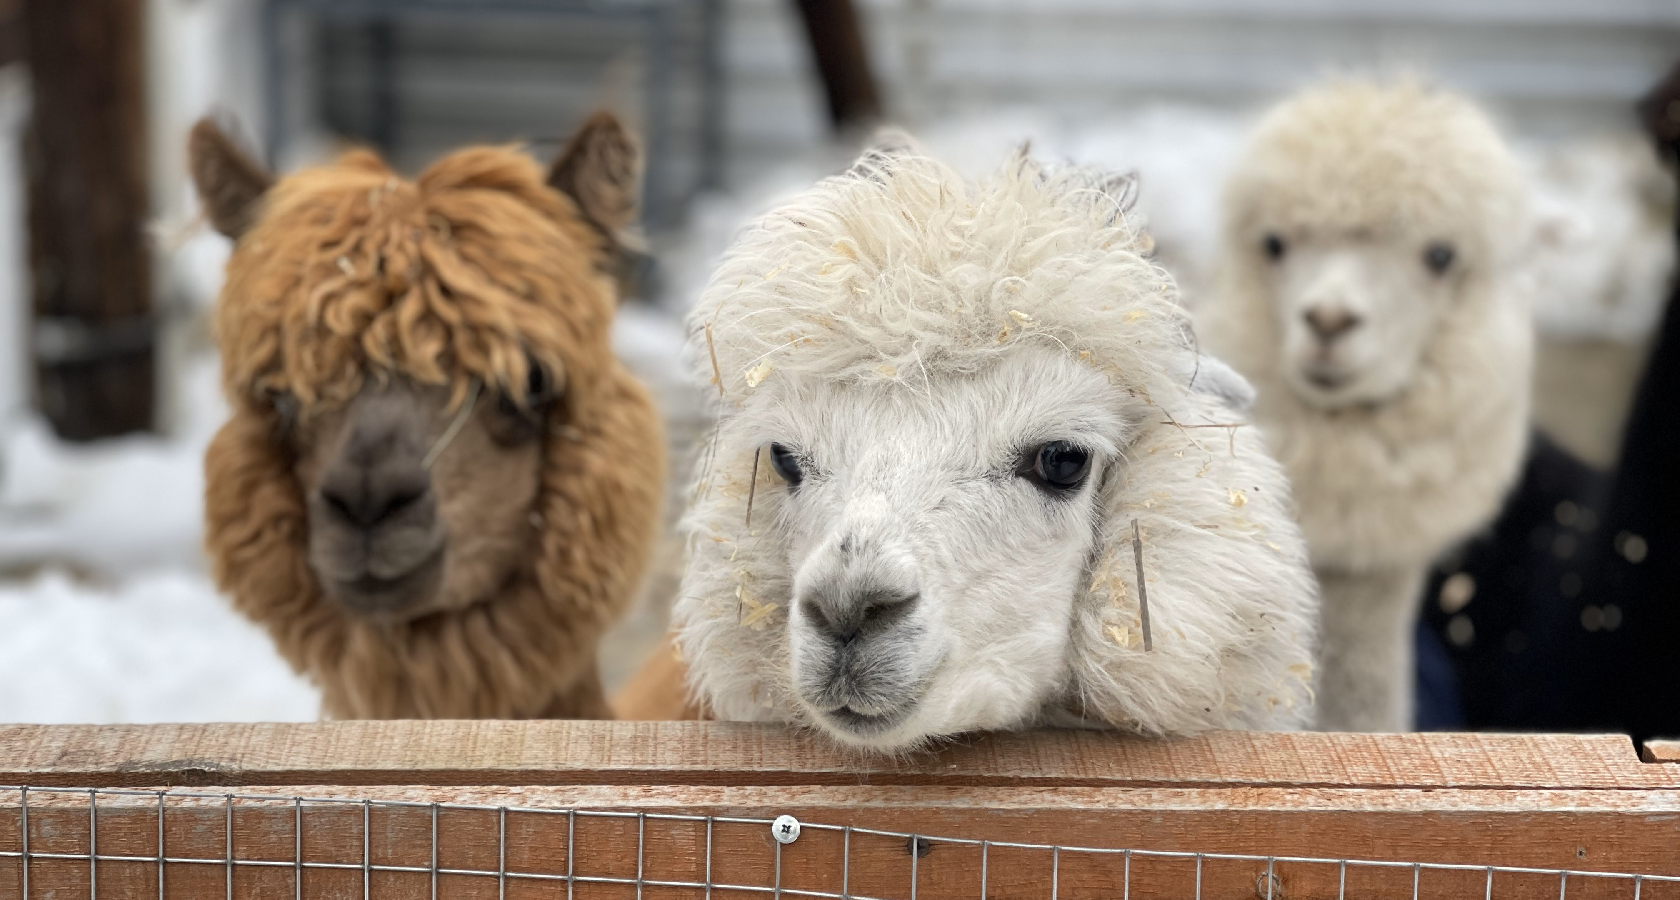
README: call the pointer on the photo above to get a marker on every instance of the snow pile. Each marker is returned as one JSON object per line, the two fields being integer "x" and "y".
{"x": 159, "y": 647}
{"x": 115, "y": 506}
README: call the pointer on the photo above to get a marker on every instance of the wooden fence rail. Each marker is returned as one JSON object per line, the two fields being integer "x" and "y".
{"x": 666, "y": 810}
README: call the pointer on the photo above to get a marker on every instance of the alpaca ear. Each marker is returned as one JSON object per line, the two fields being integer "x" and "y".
{"x": 1212, "y": 376}
{"x": 601, "y": 170}
{"x": 230, "y": 185}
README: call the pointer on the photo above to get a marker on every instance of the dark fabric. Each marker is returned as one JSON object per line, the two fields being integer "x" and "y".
{"x": 1519, "y": 647}
{"x": 1438, "y": 706}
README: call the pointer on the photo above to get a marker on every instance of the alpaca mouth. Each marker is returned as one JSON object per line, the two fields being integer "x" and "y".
{"x": 401, "y": 596}
{"x": 864, "y": 724}
{"x": 1328, "y": 379}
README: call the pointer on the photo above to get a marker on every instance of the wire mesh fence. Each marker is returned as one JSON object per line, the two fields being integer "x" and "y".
{"x": 62, "y": 843}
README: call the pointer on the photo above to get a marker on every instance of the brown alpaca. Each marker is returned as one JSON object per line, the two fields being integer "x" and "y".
{"x": 438, "y": 485}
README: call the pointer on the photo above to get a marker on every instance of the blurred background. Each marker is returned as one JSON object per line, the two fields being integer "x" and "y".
{"x": 1560, "y": 616}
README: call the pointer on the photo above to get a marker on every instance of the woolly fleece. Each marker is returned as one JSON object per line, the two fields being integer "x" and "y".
{"x": 901, "y": 273}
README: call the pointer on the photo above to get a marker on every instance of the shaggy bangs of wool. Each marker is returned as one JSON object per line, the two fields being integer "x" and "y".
{"x": 905, "y": 266}
{"x": 351, "y": 273}
{"x": 352, "y": 270}
{"x": 900, "y": 273}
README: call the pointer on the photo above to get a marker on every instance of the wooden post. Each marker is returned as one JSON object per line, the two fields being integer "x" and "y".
{"x": 659, "y": 810}
{"x": 86, "y": 164}
{"x": 842, "y": 60}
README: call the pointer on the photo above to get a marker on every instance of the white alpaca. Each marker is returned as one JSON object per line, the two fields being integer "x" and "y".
{"x": 958, "y": 397}
{"x": 1366, "y": 288}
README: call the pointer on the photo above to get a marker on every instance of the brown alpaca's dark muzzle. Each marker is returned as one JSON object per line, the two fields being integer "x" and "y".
{"x": 376, "y": 541}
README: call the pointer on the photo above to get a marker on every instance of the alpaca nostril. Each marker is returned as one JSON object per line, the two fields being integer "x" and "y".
{"x": 367, "y": 502}
{"x": 884, "y": 610}
{"x": 845, "y": 616}
{"x": 1330, "y": 324}
{"x": 813, "y": 610}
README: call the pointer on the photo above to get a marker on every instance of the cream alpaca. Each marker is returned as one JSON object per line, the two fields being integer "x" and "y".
{"x": 957, "y": 398}
{"x": 1366, "y": 289}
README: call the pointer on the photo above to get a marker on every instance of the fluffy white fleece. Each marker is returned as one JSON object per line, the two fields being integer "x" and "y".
{"x": 903, "y": 289}
{"x": 1383, "y": 487}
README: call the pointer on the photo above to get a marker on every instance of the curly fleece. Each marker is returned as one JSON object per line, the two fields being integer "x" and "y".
{"x": 901, "y": 271}
{"x": 351, "y": 273}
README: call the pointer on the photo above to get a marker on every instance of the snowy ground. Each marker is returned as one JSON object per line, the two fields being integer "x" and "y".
{"x": 109, "y": 615}
{"x": 158, "y": 646}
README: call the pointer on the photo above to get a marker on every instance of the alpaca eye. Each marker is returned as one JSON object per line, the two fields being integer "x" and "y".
{"x": 786, "y": 464}
{"x": 539, "y": 386}
{"x": 1438, "y": 256}
{"x": 539, "y": 394}
{"x": 1274, "y": 247}
{"x": 1058, "y": 465}
{"x": 286, "y": 413}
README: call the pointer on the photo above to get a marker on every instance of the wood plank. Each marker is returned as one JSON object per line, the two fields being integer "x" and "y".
{"x": 701, "y": 753}
{"x": 1583, "y": 831}
{"x": 1662, "y": 752}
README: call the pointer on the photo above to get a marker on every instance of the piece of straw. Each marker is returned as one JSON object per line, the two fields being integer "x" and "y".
{"x": 1143, "y": 594}
{"x": 454, "y": 426}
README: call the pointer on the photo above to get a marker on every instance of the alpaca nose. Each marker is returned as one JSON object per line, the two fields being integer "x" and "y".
{"x": 1331, "y": 323}
{"x": 845, "y": 615}
{"x": 372, "y": 495}
{"x": 378, "y": 472}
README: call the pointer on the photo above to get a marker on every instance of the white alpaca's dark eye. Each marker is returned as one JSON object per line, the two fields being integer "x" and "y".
{"x": 1274, "y": 247}
{"x": 786, "y": 464}
{"x": 1438, "y": 256}
{"x": 1060, "y": 466}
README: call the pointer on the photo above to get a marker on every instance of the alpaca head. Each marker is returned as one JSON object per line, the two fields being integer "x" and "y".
{"x": 941, "y": 411}
{"x": 1366, "y": 215}
{"x": 417, "y": 447}
{"x": 428, "y": 419}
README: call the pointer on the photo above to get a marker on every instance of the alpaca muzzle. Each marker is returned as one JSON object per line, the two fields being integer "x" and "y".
{"x": 859, "y": 637}
{"x": 376, "y": 542}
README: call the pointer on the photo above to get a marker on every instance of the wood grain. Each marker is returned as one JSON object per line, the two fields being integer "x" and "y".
{"x": 1662, "y": 752}
{"x": 714, "y": 753}
{"x": 508, "y": 809}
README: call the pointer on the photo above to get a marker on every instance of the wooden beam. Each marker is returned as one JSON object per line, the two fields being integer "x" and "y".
{"x": 719, "y": 753}
{"x": 649, "y": 810}
{"x": 1662, "y": 752}
{"x": 91, "y": 266}
{"x": 625, "y": 832}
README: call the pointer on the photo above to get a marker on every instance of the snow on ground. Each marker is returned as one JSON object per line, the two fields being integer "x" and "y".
{"x": 159, "y": 646}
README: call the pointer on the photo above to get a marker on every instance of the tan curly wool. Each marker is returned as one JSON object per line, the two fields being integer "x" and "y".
{"x": 349, "y": 272}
